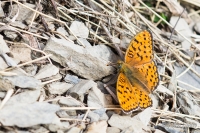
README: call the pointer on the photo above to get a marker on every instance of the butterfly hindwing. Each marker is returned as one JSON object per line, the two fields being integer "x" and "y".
{"x": 126, "y": 94}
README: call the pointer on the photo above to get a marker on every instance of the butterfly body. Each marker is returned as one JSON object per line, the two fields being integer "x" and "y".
{"x": 138, "y": 75}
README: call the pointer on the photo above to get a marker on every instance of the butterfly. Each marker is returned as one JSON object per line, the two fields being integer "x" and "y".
{"x": 138, "y": 75}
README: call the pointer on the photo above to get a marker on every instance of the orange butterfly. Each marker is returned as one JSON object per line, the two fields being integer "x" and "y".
{"x": 138, "y": 75}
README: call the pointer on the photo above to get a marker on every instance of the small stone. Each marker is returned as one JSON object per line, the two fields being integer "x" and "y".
{"x": 70, "y": 102}
{"x": 10, "y": 34}
{"x": 62, "y": 114}
{"x": 9, "y": 61}
{"x": 71, "y": 112}
{"x": 58, "y": 87}
{"x": 3, "y": 63}
{"x": 112, "y": 130}
{"x": 184, "y": 28}
{"x": 163, "y": 90}
{"x": 1, "y": 11}
{"x": 197, "y": 27}
{"x": 79, "y": 29}
{"x": 24, "y": 13}
{"x": 21, "y": 114}
{"x": 30, "y": 69}
{"x": 4, "y": 48}
{"x": 62, "y": 31}
{"x": 93, "y": 117}
{"x": 71, "y": 79}
{"x": 5, "y": 85}
{"x": 22, "y": 54}
{"x": 82, "y": 87}
{"x": 97, "y": 99}
{"x": 2, "y": 95}
{"x": 24, "y": 97}
{"x": 103, "y": 52}
{"x": 47, "y": 71}
{"x": 124, "y": 122}
{"x": 97, "y": 127}
{"x": 85, "y": 42}
{"x": 144, "y": 116}
{"x": 56, "y": 127}
{"x": 39, "y": 129}
{"x": 24, "y": 82}
{"x": 77, "y": 129}
{"x": 18, "y": 24}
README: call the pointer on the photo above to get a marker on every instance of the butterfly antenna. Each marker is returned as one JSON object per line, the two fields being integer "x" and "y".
{"x": 112, "y": 64}
{"x": 176, "y": 24}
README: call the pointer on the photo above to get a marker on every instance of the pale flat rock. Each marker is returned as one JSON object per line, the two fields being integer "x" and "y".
{"x": 112, "y": 130}
{"x": 70, "y": 102}
{"x": 85, "y": 42}
{"x": 24, "y": 82}
{"x": 24, "y": 13}
{"x": 144, "y": 116}
{"x": 192, "y": 123}
{"x": 125, "y": 122}
{"x": 10, "y": 34}
{"x": 134, "y": 129}
{"x": 62, "y": 126}
{"x": 172, "y": 128}
{"x": 71, "y": 79}
{"x": 71, "y": 112}
{"x": 1, "y": 11}
{"x": 93, "y": 117}
{"x": 79, "y": 60}
{"x": 5, "y": 85}
{"x": 27, "y": 115}
{"x": 58, "y": 87}
{"x": 155, "y": 100}
{"x": 189, "y": 77}
{"x": 26, "y": 97}
{"x": 103, "y": 52}
{"x": 97, "y": 99}
{"x": 9, "y": 61}
{"x": 158, "y": 131}
{"x": 2, "y": 95}
{"x": 97, "y": 127}
{"x": 30, "y": 69}
{"x": 4, "y": 48}
{"x": 62, "y": 114}
{"x": 18, "y": 24}
{"x": 79, "y": 29}
{"x": 188, "y": 104}
{"x": 197, "y": 27}
{"x": 82, "y": 87}
{"x": 22, "y": 54}
{"x": 62, "y": 31}
{"x": 183, "y": 28}
{"x": 97, "y": 115}
{"x": 162, "y": 89}
{"x": 77, "y": 129}
{"x": 102, "y": 113}
{"x": 19, "y": 71}
{"x": 39, "y": 129}
{"x": 195, "y": 131}
{"x": 3, "y": 63}
{"x": 47, "y": 71}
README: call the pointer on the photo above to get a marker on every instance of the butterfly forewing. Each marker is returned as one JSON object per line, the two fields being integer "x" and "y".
{"x": 140, "y": 50}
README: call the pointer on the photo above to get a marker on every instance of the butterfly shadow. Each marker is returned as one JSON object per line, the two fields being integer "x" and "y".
{"x": 112, "y": 82}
